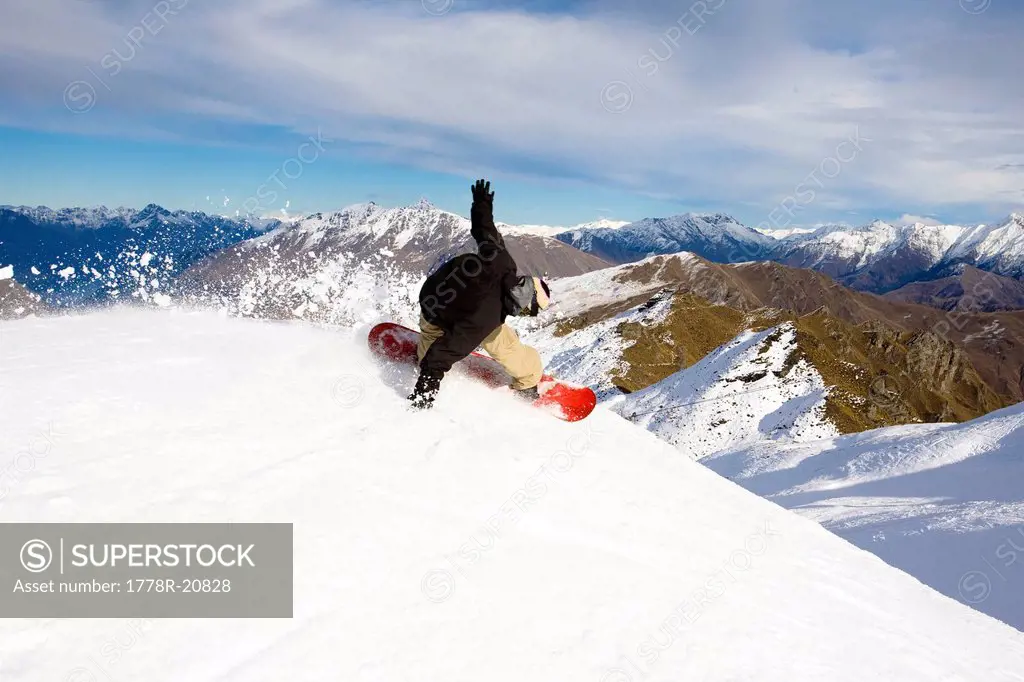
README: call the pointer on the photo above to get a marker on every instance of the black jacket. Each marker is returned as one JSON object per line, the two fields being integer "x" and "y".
{"x": 466, "y": 297}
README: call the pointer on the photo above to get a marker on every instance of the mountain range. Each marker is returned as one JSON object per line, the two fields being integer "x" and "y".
{"x": 877, "y": 257}
{"x": 954, "y": 329}
{"x": 66, "y": 255}
{"x": 82, "y": 256}
{"x": 717, "y": 237}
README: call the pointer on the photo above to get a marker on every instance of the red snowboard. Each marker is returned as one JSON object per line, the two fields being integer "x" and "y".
{"x": 566, "y": 401}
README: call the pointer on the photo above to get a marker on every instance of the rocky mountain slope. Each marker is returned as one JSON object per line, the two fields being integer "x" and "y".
{"x": 15, "y": 300}
{"x": 993, "y": 342}
{"x": 753, "y": 388}
{"x": 684, "y": 359}
{"x": 800, "y": 376}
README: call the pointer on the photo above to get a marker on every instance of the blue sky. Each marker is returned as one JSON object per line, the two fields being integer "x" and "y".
{"x": 780, "y": 112}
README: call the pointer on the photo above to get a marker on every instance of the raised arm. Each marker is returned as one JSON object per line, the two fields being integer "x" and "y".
{"x": 482, "y": 215}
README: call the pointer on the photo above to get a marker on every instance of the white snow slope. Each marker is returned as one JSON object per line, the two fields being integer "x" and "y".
{"x": 943, "y": 502}
{"x": 481, "y": 541}
{"x": 784, "y": 232}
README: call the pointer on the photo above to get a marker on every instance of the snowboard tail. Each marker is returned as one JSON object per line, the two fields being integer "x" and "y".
{"x": 566, "y": 401}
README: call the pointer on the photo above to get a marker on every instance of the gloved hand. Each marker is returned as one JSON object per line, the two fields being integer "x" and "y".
{"x": 482, "y": 192}
{"x": 427, "y": 385}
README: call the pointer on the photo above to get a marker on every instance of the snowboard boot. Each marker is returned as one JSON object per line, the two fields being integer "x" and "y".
{"x": 527, "y": 394}
{"x": 427, "y": 385}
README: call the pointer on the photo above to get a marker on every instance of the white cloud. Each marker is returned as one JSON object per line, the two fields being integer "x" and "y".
{"x": 911, "y": 219}
{"x": 740, "y": 112}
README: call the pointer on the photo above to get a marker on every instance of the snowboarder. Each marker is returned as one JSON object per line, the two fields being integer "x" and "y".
{"x": 464, "y": 305}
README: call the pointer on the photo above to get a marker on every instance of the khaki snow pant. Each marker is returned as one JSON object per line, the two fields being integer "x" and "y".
{"x": 521, "y": 361}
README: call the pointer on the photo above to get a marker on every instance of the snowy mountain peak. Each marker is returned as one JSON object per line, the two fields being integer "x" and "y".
{"x": 1015, "y": 222}
{"x": 786, "y": 232}
{"x": 601, "y": 223}
{"x": 368, "y": 229}
{"x": 716, "y": 218}
{"x": 154, "y": 212}
{"x": 997, "y": 248}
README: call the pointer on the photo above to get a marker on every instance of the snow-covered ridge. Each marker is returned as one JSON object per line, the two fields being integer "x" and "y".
{"x": 319, "y": 226}
{"x": 785, "y": 232}
{"x": 716, "y": 236}
{"x": 748, "y": 391}
{"x": 878, "y": 256}
{"x": 999, "y": 248}
{"x": 552, "y": 230}
{"x": 864, "y": 244}
{"x": 574, "y": 295}
{"x": 365, "y": 230}
{"x": 358, "y": 215}
{"x": 97, "y": 217}
{"x": 82, "y": 217}
{"x": 601, "y": 224}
